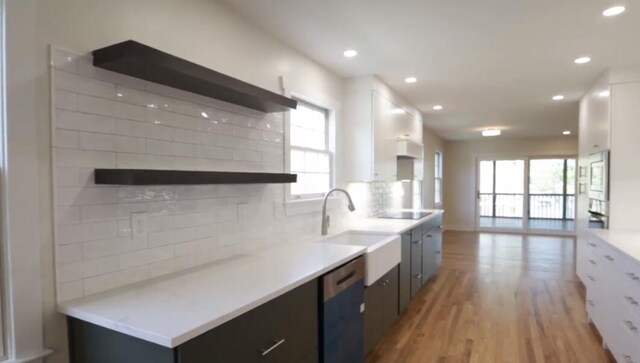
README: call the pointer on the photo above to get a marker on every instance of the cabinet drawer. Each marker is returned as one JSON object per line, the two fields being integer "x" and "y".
{"x": 282, "y": 330}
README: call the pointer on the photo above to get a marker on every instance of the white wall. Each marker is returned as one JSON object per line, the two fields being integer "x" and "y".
{"x": 460, "y": 159}
{"x": 431, "y": 144}
{"x": 199, "y": 30}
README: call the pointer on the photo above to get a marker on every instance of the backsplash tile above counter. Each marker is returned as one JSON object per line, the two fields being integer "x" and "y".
{"x": 107, "y": 120}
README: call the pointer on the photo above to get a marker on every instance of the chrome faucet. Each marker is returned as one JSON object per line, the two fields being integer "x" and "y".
{"x": 325, "y": 217}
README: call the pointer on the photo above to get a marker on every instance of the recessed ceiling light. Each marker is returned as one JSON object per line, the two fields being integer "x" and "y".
{"x": 604, "y": 94}
{"x": 204, "y": 114}
{"x": 491, "y": 132}
{"x": 566, "y": 132}
{"x": 613, "y": 11}
{"x": 398, "y": 111}
{"x": 558, "y": 97}
{"x": 582, "y": 60}
{"x": 411, "y": 80}
{"x": 437, "y": 107}
{"x": 350, "y": 53}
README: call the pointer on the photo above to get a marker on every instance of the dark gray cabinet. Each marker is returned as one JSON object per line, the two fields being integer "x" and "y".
{"x": 404, "y": 275}
{"x": 416, "y": 260}
{"x": 381, "y": 307}
{"x": 283, "y": 330}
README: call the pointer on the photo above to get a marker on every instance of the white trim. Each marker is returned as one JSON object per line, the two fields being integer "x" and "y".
{"x": 22, "y": 259}
{"x": 31, "y": 358}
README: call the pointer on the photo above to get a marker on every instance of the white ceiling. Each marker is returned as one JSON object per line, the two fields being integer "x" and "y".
{"x": 490, "y": 63}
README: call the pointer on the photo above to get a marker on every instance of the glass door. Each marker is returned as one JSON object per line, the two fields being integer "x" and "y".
{"x": 501, "y": 194}
{"x": 552, "y": 194}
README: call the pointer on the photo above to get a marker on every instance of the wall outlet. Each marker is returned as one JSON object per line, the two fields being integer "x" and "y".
{"x": 139, "y": 226}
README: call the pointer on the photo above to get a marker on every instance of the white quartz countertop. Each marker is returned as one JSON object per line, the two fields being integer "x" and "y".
{"x": 391, "y": 226}
{"x": 173, "y": 310}
{"x": 626, "y": 241}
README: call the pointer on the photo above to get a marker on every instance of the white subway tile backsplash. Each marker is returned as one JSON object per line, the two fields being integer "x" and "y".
{"x": 108, "y": 120}
{"x": 146, "y": 256}
{"x": 108, "y": 281}
{"x": 74, "y": 233}
{"x": 170, "y": 148}
{"x": 79, "y": 270}
{"x": 66, "y": 100}
{"x": 104, "y": 142}
{"x": 84, "y": 122}
{"x": 85, "y": 159}
{"x": 86, "y": 86}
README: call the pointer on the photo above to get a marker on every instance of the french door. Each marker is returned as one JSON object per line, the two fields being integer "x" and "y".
{"x": 526, "y": 194}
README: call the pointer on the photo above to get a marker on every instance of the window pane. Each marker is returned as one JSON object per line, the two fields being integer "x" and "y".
{"x": 510, "y": 176}
{"x": 546, "y": 176}
{"x": 486, "y": 177}
{"x": 297, "y": 160}
{"x": 438, "y": 165}
{"x": 571, "y": 176}
{"x": 438, "y": 191}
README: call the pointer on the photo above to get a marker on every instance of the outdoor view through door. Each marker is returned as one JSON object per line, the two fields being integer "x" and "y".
{"x": 548, "y": 195}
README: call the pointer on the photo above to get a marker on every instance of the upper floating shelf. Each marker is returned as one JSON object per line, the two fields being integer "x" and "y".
{"x": 186, "y": 177}
{"x": 144, "y": 62}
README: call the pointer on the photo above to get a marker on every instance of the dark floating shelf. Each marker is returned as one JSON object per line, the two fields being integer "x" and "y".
{"x": 144, "y": 62}
{"x": 185, "y": 177}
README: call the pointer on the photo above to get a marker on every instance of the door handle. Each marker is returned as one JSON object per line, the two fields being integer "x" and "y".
{"x": 274, "y": 346}
{"x": 592, "y": 262}
{"x": 633, "y": 276}
{"x": 419, "y": 276}
{"x": 631, "y": 300}
{"x": 608, "y": 257}
{"x": 417, "y": 242}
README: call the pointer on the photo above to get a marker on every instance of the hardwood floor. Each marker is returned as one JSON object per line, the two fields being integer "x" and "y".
{"x": 497, "y": 298}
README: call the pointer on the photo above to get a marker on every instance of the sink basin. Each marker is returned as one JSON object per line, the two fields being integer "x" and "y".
{"x": 383, "y": 251}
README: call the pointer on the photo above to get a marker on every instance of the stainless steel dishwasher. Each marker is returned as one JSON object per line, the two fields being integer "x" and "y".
{"x": 342, "y": 314}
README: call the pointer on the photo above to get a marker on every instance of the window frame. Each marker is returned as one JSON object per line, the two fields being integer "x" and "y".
{"x": 437, "y": 178}
{"x": 330, "y": 142}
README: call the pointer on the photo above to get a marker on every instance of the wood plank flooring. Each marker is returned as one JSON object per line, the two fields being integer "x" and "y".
{"x": 497, "y": 298}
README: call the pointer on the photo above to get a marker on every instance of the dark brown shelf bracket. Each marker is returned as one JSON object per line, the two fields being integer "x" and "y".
{"x": 185, "y": 177}
{"x": 141, "y": 61}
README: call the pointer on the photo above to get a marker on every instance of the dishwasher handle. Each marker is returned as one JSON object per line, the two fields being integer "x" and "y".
{"x": 341, "y": 278}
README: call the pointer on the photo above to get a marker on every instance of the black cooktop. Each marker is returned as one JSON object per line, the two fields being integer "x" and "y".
{"x": 404, "y": 215}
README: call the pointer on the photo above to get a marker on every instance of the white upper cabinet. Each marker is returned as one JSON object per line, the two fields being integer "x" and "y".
{"x": 596, "y": 110}
{"x": 372, "y": 125}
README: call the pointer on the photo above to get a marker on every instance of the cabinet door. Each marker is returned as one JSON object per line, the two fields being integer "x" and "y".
{"x": 283, "y": 330}
{"x": 598, "y": 119}
{"x": 404, "y": 279}
{"x": 432, "y": 252}
{"x": 372, "y": 312}
{"x": 416, "y": 260}
{"x": 384, "y": 139}
{"x": 582, "y": 258}
{"x": 390, "y": 299}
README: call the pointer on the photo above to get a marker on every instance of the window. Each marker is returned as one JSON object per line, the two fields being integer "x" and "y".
{"x": 310, "y": 156}
{"x": 437, "y": 182}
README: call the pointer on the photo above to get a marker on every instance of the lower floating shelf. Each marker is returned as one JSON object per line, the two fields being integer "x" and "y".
{"x": 186, "y": 177}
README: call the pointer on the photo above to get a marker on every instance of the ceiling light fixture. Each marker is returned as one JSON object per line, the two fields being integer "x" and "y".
{"x": 582, "y": 60}
{"x": 613, "y": 11}
{"x": 558, "y": 97}
{"x": 566, "y": 132}
{"x": 604, "y": 94}
{"x": 350, "y": 53}
{"x": 437, "y": 107}
{"x": 491, "y": 132}
{"x": 411, "y": 80}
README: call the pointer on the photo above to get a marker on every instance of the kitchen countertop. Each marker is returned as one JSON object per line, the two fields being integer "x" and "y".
{"x": 172, "y": 310}
{"x": 391, "y": 226}
{"x": 628, "y": 242}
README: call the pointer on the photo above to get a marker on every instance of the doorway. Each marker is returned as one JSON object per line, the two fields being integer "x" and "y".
{"x": 526, "y": 195}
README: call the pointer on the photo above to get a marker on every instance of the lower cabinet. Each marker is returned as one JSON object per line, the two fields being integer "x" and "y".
{"x": 416, "y": 260}
{"x": 283, "y": 330}
{"x": 612, "y": 281}
{"x": 381, "y": 308}
{"x": 404, "y": 279}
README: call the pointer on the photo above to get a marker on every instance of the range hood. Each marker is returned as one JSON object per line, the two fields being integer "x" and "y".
{"x": 407, "y": 149}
